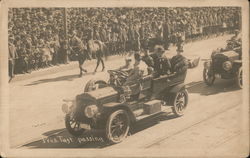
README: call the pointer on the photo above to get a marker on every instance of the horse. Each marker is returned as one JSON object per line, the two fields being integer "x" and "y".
{"x": 95, "y": 49}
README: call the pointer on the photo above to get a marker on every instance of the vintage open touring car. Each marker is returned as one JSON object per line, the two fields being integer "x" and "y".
{"x": 108, "y": 106}
{"x": 225, "y": 63}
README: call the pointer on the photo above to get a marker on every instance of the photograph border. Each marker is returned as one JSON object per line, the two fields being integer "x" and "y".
{"x": 5, "y": 151}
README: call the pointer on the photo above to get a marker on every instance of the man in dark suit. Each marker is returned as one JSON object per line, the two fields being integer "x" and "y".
{"x": 12, "y": 57}
{"x": 162, "y": 64}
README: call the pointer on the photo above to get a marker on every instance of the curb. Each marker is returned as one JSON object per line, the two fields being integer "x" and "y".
{"x": 57, "y": 69}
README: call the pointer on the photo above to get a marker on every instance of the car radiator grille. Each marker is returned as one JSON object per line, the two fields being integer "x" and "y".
{"x": 218, "y": 64}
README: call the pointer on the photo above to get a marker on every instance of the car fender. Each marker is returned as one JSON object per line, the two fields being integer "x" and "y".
{"x": 236, "y": 65}
{"x": 177, "y": 88}
{"x": 237, "y": 62}
{"x": 115, "y": 105}
{"x": 207, "y": 64}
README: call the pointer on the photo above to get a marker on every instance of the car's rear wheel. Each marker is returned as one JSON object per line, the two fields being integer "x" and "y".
{"x": 94, "y": 85}
{"x": 73, "y": 126}
{"x": 179, "y": 102}
{"x": 117, "y": 127}
{"x": 239, "y": 80}
{"x": 208, "y": 77}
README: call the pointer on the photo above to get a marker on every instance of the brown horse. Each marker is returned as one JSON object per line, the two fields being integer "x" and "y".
{"x": 95, "y": 49}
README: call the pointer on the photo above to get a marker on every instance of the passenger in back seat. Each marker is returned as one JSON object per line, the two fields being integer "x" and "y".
{"x": 149, "y": 61}
{"x": 162, "y": 64}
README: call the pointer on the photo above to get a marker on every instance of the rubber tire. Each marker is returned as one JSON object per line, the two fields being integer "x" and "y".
{"x": 91, "y": 82}
{"x": 173, "y": 100}
{"x": 70, "y": 130}
{"x": 205, "y": 80}
{"x": 108, "y": 132}
{"x": 239, "y": 75}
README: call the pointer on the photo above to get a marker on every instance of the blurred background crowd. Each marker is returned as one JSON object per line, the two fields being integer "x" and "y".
{"x": 41, "y": 37}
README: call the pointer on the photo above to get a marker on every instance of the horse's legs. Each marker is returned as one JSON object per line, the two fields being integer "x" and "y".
{"x": 82, "y": 65}
{"x": 81, "y": 61}
{"x": 103, "y": 66}
{"x": 97, "y": 64}
{"x": 81, "y": 69}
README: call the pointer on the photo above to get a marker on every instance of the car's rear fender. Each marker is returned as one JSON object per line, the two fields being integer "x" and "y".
{"x": 111, "y": 107}
{"x": 237, "y": 62}
{"x": 177, "y": 88}
{"x": 236, "y": 65}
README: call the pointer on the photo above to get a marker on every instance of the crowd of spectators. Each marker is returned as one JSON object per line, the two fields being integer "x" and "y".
{"x": 40, "y": 38}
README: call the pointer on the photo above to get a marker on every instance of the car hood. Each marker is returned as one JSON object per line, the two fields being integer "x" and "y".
{"x": 100, "y": 96}
{"x": 229, "y": 55}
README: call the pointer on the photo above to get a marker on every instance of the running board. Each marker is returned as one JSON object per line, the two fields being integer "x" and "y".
{"x": 139, "y": 113}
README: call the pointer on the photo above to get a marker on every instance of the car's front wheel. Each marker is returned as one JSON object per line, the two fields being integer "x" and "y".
{"x": 73, "y": 126}
{"x": 179, "y": 102}
{"x": 239, "y": 80}
{"x": 208, "y": 77}
{"x": 117, "y": 127}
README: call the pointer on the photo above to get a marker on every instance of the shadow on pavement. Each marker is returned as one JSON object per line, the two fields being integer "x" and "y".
{"x": 60, "y": 138}
{"x": 219, "y": 86}
{"x": 146, "y": 123}
{"x": 60, "y": 78}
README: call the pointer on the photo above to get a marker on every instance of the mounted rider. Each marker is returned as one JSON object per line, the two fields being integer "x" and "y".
{"x": 79, "y": 49}
{"x": 77, "y": 45}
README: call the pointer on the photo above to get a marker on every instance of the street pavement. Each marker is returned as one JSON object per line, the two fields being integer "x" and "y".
{"x": 211, "y": 124}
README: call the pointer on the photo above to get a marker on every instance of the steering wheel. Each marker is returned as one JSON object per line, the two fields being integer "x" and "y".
{"x": 120, "y": 76}
{"x": 118, "y": 72}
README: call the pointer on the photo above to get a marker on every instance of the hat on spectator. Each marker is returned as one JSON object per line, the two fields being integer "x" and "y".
{"x": 159, "y": 49}
{"x": 11, "y": 37}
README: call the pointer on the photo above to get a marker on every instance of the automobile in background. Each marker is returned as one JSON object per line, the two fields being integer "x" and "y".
{"x": 225, "y": 63}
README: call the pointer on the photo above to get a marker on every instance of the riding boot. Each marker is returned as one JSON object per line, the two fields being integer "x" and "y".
{"x": 80, "y": 74}
{"x": 89, "y": 56}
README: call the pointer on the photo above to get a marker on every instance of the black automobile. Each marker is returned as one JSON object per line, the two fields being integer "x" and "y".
{"x": 224, "y": 63}
{"x": 109, "y": 106}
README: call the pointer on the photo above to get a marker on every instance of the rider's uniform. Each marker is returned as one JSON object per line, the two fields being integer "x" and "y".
{"x": 77, "y": 45}
{"x": 78, "y": 48}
